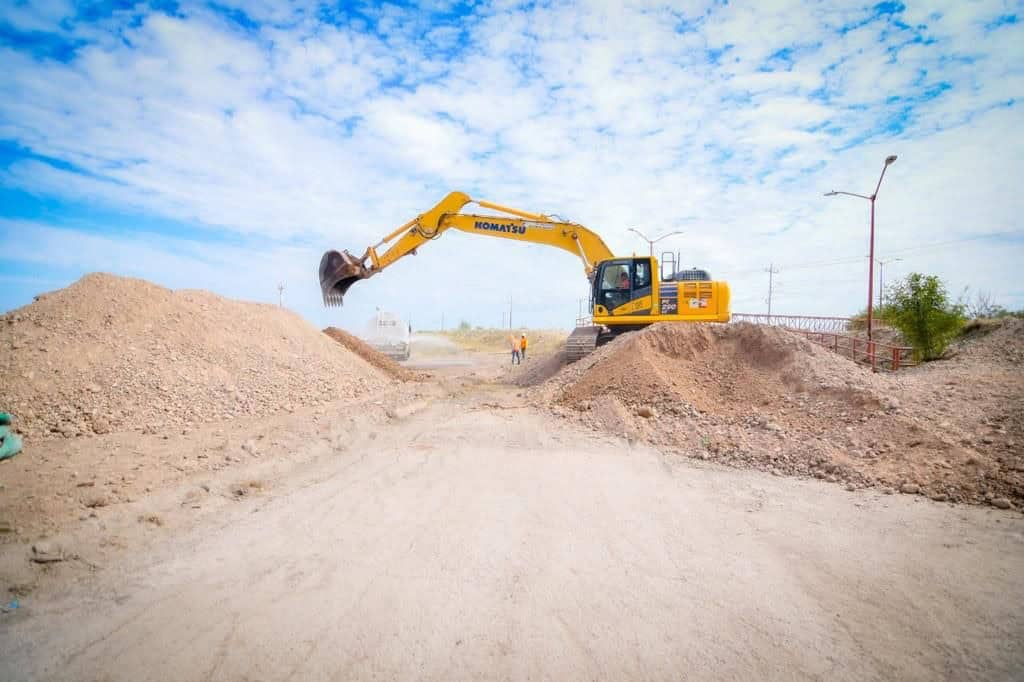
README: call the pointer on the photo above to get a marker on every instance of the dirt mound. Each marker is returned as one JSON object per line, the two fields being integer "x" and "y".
{"x": 976, "y": 397}
{"x": 991, "y": 341}
{"x": 765, "y": 397}
{"x": 717, "y": 369}
{"x": 539, "y": 368}
{"x": 371, "y": 355}
{"x": 111, "y": 353}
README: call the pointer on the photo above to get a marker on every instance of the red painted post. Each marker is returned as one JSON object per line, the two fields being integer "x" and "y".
{"x": 871, "y": 263}
{"x": 871, "y": 255}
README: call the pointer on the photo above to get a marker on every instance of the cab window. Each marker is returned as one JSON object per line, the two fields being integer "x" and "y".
{"x": 616, "y": 284}
{"x": 643, "y": 274}
{"x": 615, "y": 276}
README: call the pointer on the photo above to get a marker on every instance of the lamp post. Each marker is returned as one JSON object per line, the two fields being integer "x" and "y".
{"x": 652, "y": 242}
{"x": 871, "y": 255}
{"x": 881, "y": 277}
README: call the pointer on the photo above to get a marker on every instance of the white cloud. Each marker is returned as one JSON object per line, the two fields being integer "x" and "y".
{"x": 601, "y": 112}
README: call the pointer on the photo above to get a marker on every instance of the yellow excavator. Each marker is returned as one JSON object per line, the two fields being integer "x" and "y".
{"x": 627, "y": 293}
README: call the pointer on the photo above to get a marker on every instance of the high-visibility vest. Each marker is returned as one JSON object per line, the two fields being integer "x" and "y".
{"x": 523, "y": 342}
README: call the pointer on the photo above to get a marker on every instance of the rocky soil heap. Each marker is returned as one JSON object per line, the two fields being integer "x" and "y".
{"x": 371, "y": 355}
{"x": 766, "y": 398}
{"x": 111, "y": 353}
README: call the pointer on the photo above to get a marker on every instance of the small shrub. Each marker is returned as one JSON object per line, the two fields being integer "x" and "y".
{"x": 920, "y": 308}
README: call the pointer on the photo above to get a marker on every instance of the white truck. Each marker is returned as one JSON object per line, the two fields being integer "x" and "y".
{"x": 387, "y": 333}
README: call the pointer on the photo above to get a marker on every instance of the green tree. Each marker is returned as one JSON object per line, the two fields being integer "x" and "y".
{"x": 919, "y": 306}
{"x": 464, "y": 325}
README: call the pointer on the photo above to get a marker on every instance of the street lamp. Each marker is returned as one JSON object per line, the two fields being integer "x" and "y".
{"x": 871, "y": 255}
{"x": 652, "y": 242}
{"x": 881, "y": 276}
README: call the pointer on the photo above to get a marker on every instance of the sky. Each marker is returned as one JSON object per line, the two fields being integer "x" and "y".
{"x": 226, "y": 145}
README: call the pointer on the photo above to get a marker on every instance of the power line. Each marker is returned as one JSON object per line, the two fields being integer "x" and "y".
{"x": 910, "y": 249}
{"x": 924, "y": 247}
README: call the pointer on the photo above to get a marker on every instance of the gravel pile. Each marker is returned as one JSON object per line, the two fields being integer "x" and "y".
{"x": 992, "y": 342}
{"x": 766, "y": 398}
{"x": 538, "y": 369}
{"x": 111, "y": 353}
{"x": 371, "y": 355}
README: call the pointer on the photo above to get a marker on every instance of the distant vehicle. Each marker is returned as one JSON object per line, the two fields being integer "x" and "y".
{"x": 387, "y": 333}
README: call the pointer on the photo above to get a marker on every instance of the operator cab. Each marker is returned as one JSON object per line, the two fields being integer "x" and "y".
{"x": 621, "y": 280}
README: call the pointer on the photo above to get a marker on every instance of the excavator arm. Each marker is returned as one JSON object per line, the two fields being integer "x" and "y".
{"x": 340, "y": 270}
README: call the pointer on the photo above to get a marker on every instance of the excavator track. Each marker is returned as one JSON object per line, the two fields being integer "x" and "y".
{"x": 581, "y": 342}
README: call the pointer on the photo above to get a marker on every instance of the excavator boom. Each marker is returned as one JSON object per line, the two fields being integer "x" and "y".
{"x": 339, "y": 270}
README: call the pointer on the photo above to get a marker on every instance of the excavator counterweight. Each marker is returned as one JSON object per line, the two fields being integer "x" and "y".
{"x": 339, "y": 271}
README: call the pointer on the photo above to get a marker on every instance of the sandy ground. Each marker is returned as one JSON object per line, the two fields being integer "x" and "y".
{"x": 467, "y": 535}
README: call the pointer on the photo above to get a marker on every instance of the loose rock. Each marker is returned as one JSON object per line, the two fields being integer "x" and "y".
{"x": 46, "y": 553}
{"x": 100, "y": 425}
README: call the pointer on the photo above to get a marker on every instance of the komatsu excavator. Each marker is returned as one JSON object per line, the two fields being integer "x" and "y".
{"x": 627, "y": 293}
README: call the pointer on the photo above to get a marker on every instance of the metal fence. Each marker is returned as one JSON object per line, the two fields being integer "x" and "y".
{"x": 834, "y": 333}
{"x": 881, "y": 356}
{"x": 811, "y": 323}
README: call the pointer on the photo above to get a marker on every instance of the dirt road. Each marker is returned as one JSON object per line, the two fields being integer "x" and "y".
{"x": 477, "y": 538}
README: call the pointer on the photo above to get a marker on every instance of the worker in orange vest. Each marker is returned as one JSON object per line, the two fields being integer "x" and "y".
{"x": 515, "y": 349}
{"x": 522, "y": 347}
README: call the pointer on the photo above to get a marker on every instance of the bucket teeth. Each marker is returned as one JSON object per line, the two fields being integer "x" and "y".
{"x": 338, "y": 271}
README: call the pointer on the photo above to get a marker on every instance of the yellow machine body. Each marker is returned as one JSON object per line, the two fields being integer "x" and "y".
{"x": 634, "y": 291}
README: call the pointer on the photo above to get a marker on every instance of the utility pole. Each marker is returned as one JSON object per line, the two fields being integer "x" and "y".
{"x": 442, "y": 321}
{"x": 881, "y": 277}
{"x": 509, "y": 312}
{"x": 772, "y": 271}
{"x": 280, "y": 294}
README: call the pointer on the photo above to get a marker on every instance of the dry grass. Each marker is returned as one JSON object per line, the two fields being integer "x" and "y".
{"x": 980, "y": 326}
{"x": 498, "y": 340}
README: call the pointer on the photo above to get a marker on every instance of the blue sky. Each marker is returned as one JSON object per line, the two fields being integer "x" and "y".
{"x": 225, "y": 145}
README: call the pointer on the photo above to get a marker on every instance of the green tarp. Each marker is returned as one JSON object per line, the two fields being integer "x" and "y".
{"x": 10, "y": 443}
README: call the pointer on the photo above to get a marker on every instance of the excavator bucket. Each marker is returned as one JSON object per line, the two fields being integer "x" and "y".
{"x": 339, "y": 271}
